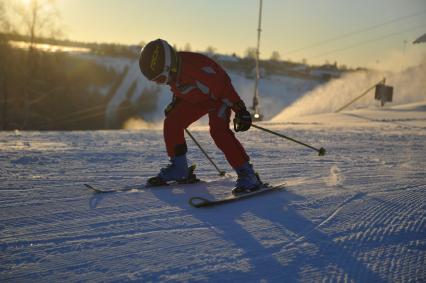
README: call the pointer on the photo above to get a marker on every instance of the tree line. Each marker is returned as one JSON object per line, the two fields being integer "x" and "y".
{"x": 51, "y": 91}
{"x": 48, "y": 91}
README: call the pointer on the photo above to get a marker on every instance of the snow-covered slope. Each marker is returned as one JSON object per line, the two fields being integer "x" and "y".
{"x": 356, "y": 214}
{"x": 277, "y": 92}
{"x": 406, "y": 115}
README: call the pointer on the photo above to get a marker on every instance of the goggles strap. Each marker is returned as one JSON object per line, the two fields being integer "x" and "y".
{"x": 167, "y": 56}
{"x": 167, "y": 63}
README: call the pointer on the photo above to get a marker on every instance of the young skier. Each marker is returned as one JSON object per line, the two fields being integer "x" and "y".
{"x": 199, "y": 86}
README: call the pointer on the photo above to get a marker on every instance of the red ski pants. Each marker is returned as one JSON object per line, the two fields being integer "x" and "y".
{"x": 184, "y": 113}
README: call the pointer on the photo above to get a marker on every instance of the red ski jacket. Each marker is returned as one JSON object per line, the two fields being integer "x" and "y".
{"x": 200, "y": 80}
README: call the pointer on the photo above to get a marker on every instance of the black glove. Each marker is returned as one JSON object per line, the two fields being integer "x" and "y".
{"x": 242, "y": 120}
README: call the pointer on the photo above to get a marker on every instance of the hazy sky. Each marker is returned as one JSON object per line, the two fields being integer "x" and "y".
{"x": 288, "y": 26}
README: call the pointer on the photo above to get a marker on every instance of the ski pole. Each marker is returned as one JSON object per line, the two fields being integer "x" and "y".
{"x": 221, "y": 173}
{"x": 320, "y": 151}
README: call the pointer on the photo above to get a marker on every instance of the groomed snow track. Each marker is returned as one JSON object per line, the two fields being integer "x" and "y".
{"x": 355, "y": 215}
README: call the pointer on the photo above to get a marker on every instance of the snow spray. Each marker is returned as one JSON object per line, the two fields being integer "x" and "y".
{"x": 139, "y": 124}
{"x": 336, "y": 178}
{"x": 408, "y": 77}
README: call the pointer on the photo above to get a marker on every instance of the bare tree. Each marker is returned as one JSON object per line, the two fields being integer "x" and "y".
{"x": 187, "y": 47}
{"x": 4, "y": 22}
{"x": 4, "y": 27}
{"x": 251, "y": 53}
{"x": 39, "y": 18}
{"x": 210, "y": 50}
{"x": 275, "y": 56}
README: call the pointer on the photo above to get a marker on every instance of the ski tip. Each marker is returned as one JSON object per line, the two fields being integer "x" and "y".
{"x": 198, "y": 202}
{"x": 94, "y": 189}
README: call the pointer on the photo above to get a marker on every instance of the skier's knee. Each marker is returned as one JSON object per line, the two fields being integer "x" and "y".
{"x": 172, "y": 123}
{"x": 214, "y": 133}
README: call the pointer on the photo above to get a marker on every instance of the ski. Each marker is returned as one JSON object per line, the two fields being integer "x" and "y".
{"x": 203, "y": 202}
{"x": 142, "y": 187}
{"x": 99, "y": 190}
{"x": 153, "y": 182}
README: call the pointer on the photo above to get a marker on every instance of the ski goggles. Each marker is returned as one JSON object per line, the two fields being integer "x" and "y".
{"x": 164, "y": 76}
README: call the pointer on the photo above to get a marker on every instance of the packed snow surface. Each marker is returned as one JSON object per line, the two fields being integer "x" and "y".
{"x": 356, "y": 214}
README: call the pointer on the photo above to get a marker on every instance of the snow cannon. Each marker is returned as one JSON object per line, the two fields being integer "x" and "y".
{"x": 384, "y": 93}
{"x": 321, "y": 151}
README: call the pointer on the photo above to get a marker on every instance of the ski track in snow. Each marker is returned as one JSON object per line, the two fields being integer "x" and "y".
{"x": 356, "y": 214}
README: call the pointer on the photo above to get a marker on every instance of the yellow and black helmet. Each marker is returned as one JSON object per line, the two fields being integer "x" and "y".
{"x": 157, "y": 60}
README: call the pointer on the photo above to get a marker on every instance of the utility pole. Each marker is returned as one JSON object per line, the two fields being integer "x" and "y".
{"x": 257, "y": 116}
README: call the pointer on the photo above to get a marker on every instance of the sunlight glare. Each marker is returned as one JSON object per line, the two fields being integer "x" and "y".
{"x": 26, "y": 2}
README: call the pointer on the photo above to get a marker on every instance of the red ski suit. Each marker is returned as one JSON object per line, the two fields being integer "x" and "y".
{"x": 203, "y": 87}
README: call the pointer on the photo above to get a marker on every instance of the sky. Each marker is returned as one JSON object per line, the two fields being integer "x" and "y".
{"x": 354, "y": 33}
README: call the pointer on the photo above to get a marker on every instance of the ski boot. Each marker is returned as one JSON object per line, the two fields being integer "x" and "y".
{"x": 177, "y": 171}
{"x": 248, "y": 181}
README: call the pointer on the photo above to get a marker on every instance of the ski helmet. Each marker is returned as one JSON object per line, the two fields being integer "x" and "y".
{"x": 157, "y": 60}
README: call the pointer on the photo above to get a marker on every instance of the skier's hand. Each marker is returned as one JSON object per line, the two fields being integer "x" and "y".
{"x": 242, "y": 120}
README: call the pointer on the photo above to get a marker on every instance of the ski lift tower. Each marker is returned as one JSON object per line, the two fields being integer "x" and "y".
{"x": 256, "y": 115}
